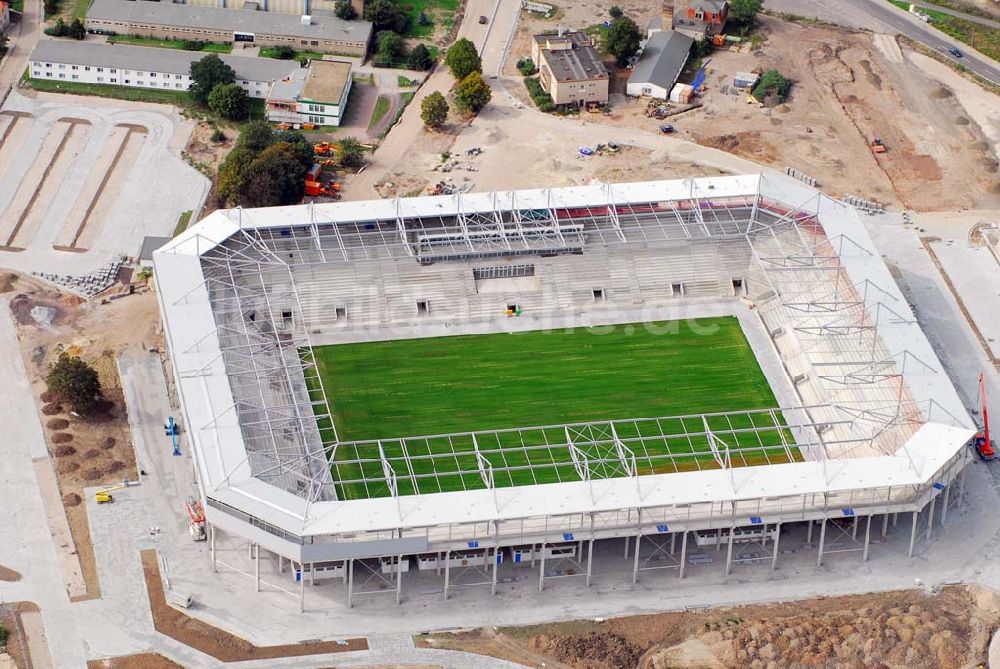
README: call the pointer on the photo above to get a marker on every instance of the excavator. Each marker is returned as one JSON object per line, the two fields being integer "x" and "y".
{"x": 986, "y": 449}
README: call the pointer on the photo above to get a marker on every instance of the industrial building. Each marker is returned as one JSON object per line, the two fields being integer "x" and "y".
{"x": 570, "y": 69}
{"x": 872, "y": 426}
{"x": 167, "y": 20}
{"x": 144, "y": 67}
{"x": 316, "y": 95}
{"x": 660, "y": 64}
{"x": 300, "y": 7}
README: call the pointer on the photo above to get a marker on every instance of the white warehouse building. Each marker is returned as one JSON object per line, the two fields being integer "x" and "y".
{"x": 145, "y": 67}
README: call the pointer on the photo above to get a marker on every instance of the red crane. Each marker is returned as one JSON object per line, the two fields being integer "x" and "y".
{"x": 985, "y": 447}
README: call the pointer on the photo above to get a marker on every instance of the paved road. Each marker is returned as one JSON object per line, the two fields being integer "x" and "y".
{"x": 961, "y": 15}
{"x": 22, "y": 40}
{"x": 881, "y": 16}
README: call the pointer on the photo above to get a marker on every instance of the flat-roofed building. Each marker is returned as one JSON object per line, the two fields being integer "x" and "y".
{"x": 144, "y": 67}
{"x": 315, "y": 95}
{"x": 570, "y": 69}
{"x": 166, "y": 20}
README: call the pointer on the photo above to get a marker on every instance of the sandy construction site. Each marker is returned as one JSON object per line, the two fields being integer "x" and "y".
{"x": 81, "y": 182}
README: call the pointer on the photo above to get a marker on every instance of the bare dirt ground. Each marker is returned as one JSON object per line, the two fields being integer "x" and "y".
{"x": 846, "y": 92}
{"x": 218, "y": 643}
{"x": 907, "y": 629}
{"x": 9, "y": 575}
{"x": 93, "y": 451}
{"x": 203, "y": 151}
{"x": 137, "y": 661}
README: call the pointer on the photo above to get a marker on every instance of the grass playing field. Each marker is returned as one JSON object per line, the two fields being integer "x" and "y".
{"x": 382, "y": 390}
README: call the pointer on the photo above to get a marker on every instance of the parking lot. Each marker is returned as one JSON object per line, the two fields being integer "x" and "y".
{"x": 80, "y": 183}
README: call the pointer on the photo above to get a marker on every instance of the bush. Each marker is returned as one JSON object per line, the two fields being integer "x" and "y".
{"x": 350, "y": 152}
{"x": 284, "y": 52}
{"x": 423, "y": 19}
{"x": 420, "y": 58}
{"x": 58, "y": 29}
{"x": 772, "y": 82}
{"x": 526, "y": 67}
{"x": 616, "y": 12}
{"x": 193, "y": 44}
{"x": 76, "y": 30}
{"x": 218, "y": 136}
{"x": 538, "y": 95}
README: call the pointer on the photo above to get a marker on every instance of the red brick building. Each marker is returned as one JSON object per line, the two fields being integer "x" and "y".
{"x": 698, "y": 18}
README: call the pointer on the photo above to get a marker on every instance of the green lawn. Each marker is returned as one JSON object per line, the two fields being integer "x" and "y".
{"x": 381, "y": 390}
{"x": 438, "y": 11}
{"x": 380, "y": 109}
{"x": 182, "y": 222}
{"x": 179, "y": 98}
{"x": 209, "y": 47}
{"x": 982, "y": 38}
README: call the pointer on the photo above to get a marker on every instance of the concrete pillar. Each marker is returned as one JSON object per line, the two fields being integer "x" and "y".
{"x": 211, "y": 539}
{"x": 885, "y": 524}
{"x": 673, "y": 542}
{"x": 541, "y": 571}
{"x": 312, "y": 573}
{"x": 437, "y": 567}
{"x": 809, "y": 532}
{"x": 493, "y": 588}
{"x": 868, "y": 534}
{"x": 256, "y": 566}
{"x": 534, "y": 552}
{"x": 626, "y": 546}
{"x": 684, "y": 553}
{"x": 961, "y": 488}
{"x": 281, "y": 564}
{"x": 895, "y": 519}
{"x": 913, "y": 533}
{"x": 302, "y": 589}
{"x": 635, "y": 562}
{"x": 590, "y": 559}
{"x": 399, "y": 579}
{"x": 854, "y": 529}
{"x": 350, "y": 582}
{"x": 777, "y": 540}
{"x": 822, "y": 540}
{"x": 447, "y": 571}
{"x": 729, "y": 550}
{"x": 944, "y": 504}
{"x": 930, "y": 518}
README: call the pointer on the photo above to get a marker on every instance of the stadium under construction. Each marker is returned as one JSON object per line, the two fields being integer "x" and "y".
{"x": 855, "y": 423}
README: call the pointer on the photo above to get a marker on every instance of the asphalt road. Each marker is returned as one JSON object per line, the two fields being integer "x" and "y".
{"x": 880, "y": 16}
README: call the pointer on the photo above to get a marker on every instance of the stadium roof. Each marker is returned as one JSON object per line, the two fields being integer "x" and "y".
{"x": 215, "y": 18}
{"x": 151, "y": 59}
{"x": 207, "y": 394}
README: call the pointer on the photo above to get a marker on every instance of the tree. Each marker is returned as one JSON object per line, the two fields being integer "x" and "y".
{"x": 623, "y": 40}
{"x": 434, "y": 110}
{"x": 74, "y": 381}
{"x": 388, "y": 48}
{"x": 58, "y": 29}
{"x": 303, "y": 147}
{"x": 745, "y": 11}
{"x": 276, "y": 177}
{"x": 385, "y": 15}
{"x": 473, "y": 93}
{"x": 51, "y": 7}
{"x": 463, "y": 59}
{"x": 256, "y": 136}
{"x": 616, "y": 12}
{"x": 350, "y": 152}
{"x": 526, "y": 67}
{"x": 208, "y": 73}
{"x": 284, "y": 52}
{"x": 229, "y": 101}
{"x": 419, "y": 58}
{"x": 344, "y": 10}
{"x": 772, "y": 82}
{"x": 233, "y": 174}
{"x": 75, "y": 30}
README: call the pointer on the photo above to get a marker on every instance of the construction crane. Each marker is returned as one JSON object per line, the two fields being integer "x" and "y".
{"x": 197, "y": 516}
{"x": 985, "y": 448}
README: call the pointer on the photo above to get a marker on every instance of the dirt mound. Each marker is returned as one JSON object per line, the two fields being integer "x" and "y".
{"x": 748, "y": 144}
{"x": 64, "y": 450}
{"x": 115, "y": 466}
{"x": 48, "y": 396}
{"x": 62, "y": 438}
{"x": 57, "y": 424}
{"x": 91, "y": 453}
{"x": 67, "y": 466}
{"x": 72, "y": 499}
{"x": 7, "y": 282}
{"x": 596, "y": 649}
{"x": 91, "y": 474}
{"x": 961, "y": 120}
{"x": 109, "y": 443}
{"x": 51, "y": 409}
{"x": 941, "y": 92}
{"x": 994, "y": 187}
{"x": 9, "y": 575}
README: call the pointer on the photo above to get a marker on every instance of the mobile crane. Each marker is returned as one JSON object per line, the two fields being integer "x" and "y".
{"x": 985, "y": 448}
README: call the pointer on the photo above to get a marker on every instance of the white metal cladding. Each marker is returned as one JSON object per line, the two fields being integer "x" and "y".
{"x": 877, "y": 411}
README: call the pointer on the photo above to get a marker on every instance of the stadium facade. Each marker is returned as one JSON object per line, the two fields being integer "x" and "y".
{"x": 869, "y": 418}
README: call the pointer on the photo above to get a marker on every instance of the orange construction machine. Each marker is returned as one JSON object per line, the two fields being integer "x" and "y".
{"x": 985, "y": 448}
{"x": 197, "y": 516}
{"x": 878, "y": 146}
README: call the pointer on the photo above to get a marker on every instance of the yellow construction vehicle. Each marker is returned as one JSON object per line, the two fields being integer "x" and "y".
{"x": 105, "y": 497}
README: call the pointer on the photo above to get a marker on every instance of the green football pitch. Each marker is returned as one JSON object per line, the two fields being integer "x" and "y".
{"x": 390, "y": 389}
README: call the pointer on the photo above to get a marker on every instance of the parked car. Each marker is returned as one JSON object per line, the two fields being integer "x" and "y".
{"x": 666, "y": 129}
{"x": 956, "y": 52}
{"x": 483, "y": 20}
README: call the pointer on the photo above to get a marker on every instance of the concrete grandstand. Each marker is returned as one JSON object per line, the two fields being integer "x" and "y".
{"x": 867, "y": 419}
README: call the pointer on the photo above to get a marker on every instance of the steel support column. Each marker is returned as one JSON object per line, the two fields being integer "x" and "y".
{"x": 944, "y": 504}
{"x": 885, "y": 524}
{"x": 211, "y": 538}
{"x": 493, "y": 587}
{"x": 399, "y": 579}
{"x": 541, "y": 571}
{"x": 302, "y": 588}
{"x": 961, "y": 488}
{"x": 626, "y": 546}
{"x": 256, "y": 566}
{"x": 447, "y": 572}
{"x": 809, "y": 532}
{"x": 350, "y": 582}
{"x": 635, "y": 562}
{"x": 913, "y": 533}
{"x": 930, "y": 518}
{"x": 590, "y": 559}
{"x": 822, "y": 540}
{"x": 729, "y": 549}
